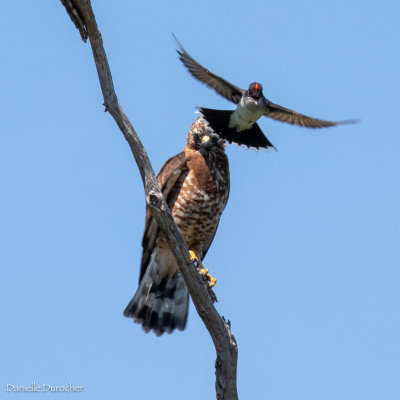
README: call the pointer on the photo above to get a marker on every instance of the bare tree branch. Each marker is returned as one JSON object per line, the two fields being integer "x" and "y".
{"x": 82, "y": 15}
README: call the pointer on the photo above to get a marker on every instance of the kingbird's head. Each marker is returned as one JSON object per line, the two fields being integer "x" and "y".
{"x": 255, "y": 90}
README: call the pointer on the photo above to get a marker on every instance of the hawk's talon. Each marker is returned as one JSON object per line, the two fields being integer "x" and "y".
{"x": 193, "y": 257}
{"x": 203, "y": 271}
{"x": 210, "y": 280}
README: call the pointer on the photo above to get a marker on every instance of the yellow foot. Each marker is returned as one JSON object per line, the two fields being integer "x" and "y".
{"x": 210, "y": 280}
{"x": 193, "y": 257}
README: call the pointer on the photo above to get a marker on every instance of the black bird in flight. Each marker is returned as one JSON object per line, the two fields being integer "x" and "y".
{"x": 239, "y": 126}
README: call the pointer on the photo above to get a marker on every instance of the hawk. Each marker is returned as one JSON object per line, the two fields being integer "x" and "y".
{"x": 195, "y": 185}
{"x": 239, "y": 126}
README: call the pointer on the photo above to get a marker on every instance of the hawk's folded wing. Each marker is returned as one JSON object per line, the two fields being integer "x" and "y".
{"x": 169, "y": 180}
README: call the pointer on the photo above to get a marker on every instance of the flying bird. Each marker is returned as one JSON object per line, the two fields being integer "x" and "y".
{"x": 240, "y": 125}
{"x": 195, "y": 184}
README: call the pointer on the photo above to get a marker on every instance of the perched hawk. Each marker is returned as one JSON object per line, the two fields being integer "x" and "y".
{"x": 239, "y": 126}
{"x": 195, "y": 184}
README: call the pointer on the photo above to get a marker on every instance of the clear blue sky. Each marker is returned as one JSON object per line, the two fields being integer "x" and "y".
{"x": 307, "y": 252}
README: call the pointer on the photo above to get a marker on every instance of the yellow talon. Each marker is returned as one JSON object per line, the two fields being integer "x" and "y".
{"x": 204, "y": 271}
{"x": 193, "y": 256}
{"x": 211, "y": 281}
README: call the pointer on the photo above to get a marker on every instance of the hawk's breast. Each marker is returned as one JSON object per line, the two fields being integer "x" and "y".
{"x": 202, "y": 198}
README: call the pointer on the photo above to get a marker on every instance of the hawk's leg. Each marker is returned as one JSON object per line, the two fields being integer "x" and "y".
{"x": 211, "y": 281}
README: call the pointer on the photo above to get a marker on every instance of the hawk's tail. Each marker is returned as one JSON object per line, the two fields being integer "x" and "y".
{"x": 219, "y": 121}
{"x": 161, "y": 301}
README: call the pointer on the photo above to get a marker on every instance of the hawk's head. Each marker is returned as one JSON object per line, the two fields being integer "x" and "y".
{"x": 203, "y": 139}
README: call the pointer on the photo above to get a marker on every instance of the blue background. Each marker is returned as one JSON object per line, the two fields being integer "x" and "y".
{"x": 307, "y": 252}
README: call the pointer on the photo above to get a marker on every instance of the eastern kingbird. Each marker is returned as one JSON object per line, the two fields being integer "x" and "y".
{"x": 239, "y": 126}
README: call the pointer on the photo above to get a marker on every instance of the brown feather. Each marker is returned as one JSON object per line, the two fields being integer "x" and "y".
{"x": 173, "y": 171}
{"x": 220, "y": 85}
{"x": 283, "y": 114}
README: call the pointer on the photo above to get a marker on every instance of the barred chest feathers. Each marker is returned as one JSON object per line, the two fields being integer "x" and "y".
{"x": 203, "y": 196}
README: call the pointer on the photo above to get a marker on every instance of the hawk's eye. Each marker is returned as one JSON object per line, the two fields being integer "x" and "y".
{"x": 205, "y": 139}
{"x": 196, "y": 138}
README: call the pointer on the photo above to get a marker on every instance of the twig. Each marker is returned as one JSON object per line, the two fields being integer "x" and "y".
{"x": 82, "y": 15}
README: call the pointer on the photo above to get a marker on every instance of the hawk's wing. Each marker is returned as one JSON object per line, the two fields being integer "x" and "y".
{"x": 211, "y": 237}
{"x": 220, "y": 85}
{"x": 169, "y": 180}
{"x": 209, "y": 241}
{"x": 292, "y": 117}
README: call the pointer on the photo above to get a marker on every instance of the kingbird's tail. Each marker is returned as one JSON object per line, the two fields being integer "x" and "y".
{"x": 219, "y": 121}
